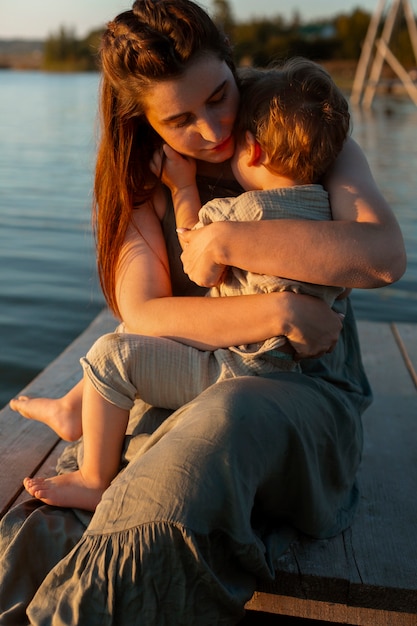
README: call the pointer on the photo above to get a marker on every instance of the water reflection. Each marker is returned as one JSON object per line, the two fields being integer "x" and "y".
{"x": 388, "y": 136}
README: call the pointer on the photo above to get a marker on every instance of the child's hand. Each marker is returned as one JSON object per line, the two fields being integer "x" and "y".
{"x": 178, "y": 174}
{"x": 176, "y": 171}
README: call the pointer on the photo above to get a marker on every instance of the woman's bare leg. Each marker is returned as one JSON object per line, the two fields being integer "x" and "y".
{"x": 63, "y": 414}
{"x": 104, "y": 426}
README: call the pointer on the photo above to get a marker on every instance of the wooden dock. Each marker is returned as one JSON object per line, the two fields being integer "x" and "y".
{"x": 367, "y": 576}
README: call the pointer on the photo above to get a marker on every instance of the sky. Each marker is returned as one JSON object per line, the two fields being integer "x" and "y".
{"x": 37, "y": 19}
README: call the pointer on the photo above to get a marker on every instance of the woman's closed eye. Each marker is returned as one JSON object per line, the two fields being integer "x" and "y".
{"x": 189, "y": 118}
{"x": 184, "y": 121}
{"x": 219, "y": 99}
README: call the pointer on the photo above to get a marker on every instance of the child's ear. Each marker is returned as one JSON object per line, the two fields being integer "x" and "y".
{"x": 254, "y": 149}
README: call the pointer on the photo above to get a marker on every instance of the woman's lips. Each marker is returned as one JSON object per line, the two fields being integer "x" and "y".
{"x": 223, "y": 145}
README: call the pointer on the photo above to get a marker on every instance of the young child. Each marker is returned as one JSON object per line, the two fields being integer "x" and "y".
{"x": 291, "y": 126}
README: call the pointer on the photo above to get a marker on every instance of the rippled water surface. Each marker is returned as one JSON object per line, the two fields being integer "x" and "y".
{"x": 48, "y": 286}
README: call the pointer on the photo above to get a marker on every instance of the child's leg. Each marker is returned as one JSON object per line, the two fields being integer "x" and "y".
{"x": 104, "y": 427}
{"x": 63, "y": 415}
{"x": 123, "y": 366}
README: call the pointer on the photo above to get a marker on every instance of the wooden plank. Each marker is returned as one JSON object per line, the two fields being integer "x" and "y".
{"x": 406, "y": 337}
{"x": 328, "y": 611}
{"x": 26, "y": 444}
{"x": 373, "y": 565}
{"x": 383, "y": 539}
{"x": 48, "y": 468}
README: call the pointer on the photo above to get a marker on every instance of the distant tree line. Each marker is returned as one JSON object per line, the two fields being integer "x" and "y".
{"x": 63, "y": 52}
{"x": 256, "y": 42}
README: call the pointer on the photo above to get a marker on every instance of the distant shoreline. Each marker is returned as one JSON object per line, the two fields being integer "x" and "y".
{"x": 21, "y": 54}
{"x": 26, "y": 55}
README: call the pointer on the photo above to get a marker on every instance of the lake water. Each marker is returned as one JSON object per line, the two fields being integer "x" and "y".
{"x": 48, "y": 285}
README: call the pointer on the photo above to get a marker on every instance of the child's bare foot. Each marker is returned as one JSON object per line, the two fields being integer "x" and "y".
{"x": 66, "y": 490}
{"x": 58, "y": 414}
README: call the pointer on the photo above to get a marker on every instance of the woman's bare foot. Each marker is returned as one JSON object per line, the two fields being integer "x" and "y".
{"x": 66, "y": 490}
{"x": 58, "y": 414}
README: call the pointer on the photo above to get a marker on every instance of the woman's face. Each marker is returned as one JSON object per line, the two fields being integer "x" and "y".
{"x": 195, "y": 113}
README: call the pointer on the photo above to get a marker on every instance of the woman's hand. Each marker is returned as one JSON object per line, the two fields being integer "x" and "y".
{"x": 311, "y": 327}
{"x": 200, "y": 257}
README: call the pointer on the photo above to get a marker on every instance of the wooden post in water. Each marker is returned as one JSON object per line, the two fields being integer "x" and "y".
{"x": 364, "y": 84}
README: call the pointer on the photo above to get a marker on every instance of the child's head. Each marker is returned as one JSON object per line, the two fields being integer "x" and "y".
{"x": 297, "y": 115}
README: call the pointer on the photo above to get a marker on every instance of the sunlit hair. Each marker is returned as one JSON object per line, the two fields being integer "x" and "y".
{"x": 297, "y": 114}
{"x": 155, "y": 41}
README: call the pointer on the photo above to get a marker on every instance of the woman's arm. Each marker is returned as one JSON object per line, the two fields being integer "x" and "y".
{"x": 147, "y": 306}
{"x": 363, "y": 246}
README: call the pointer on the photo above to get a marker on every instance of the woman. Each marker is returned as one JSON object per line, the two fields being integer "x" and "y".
{"x": 204, "y": 505}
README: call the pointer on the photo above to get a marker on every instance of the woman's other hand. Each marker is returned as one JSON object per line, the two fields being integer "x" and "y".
{"x": 311, "y": 326}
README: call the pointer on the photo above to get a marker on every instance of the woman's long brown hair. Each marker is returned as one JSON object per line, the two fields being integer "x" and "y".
{"x": 154, "y": 41}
